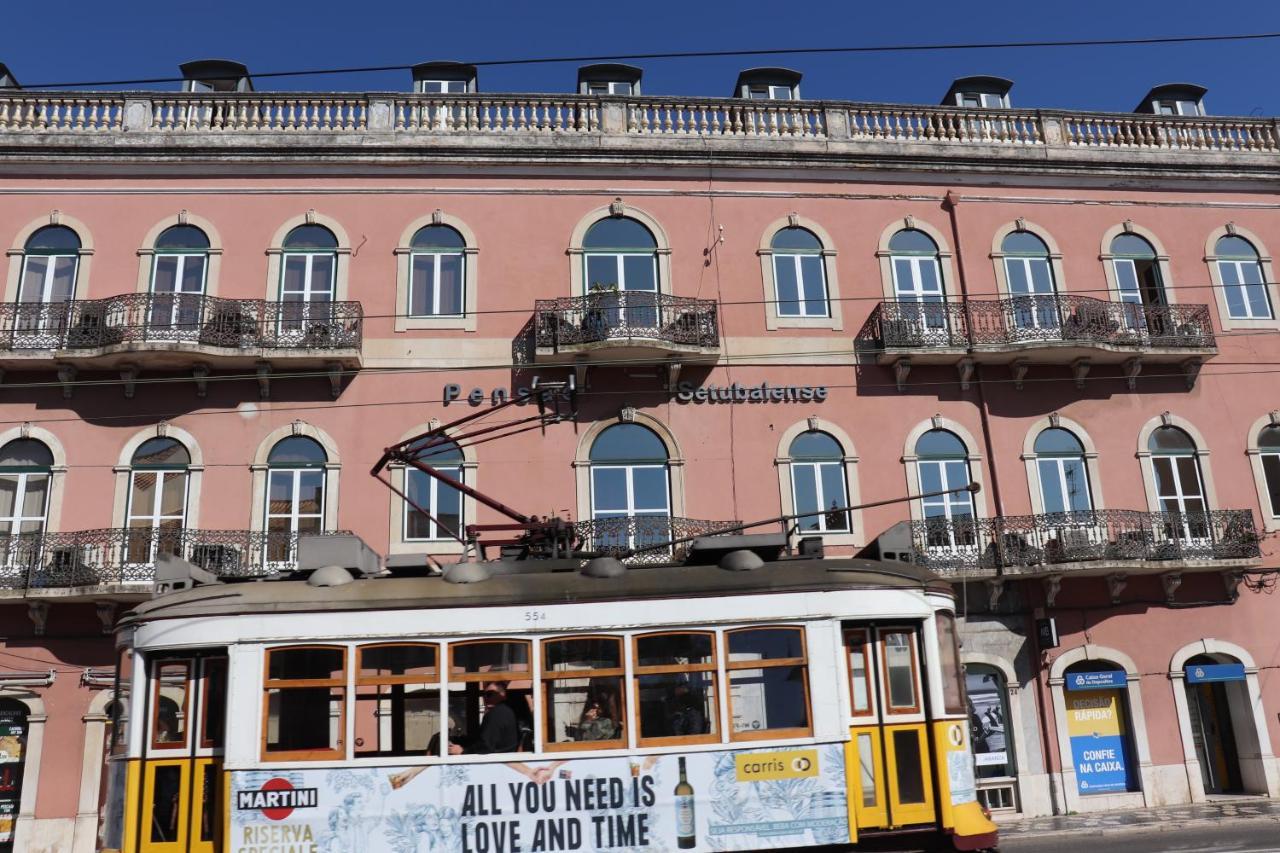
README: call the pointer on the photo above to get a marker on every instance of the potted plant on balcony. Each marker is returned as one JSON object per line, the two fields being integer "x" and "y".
{"x": 602, "y": 312}
{"x": 229, "y": 327}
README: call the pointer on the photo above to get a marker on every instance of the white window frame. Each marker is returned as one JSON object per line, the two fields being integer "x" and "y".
{"x": 46, "y": 284}
{"x": 1059, "y": 471}
{"x": 14, "y": 522}
{"x": 619, "y": 257}
{"x": 916, "y": 292}
{"x": 458, "y": 472}
{"x": 446, "y": 87}
{"x": 795, "y": 258}
{"x": 1180, "y": 495}
{"x": 1272, "y": 511}
{"x": 611, "y": 87}
{"x": 630, "y": 512}
{"x": 1037, "y": 301}
{"x": 821, "y": 495}
{"x": 153, "y": 513}
{"x": 770, "y": 92}
{"x": 176, "y": 307}
{"x": 949, "y": 502}
{"x": 461, "y": 255}
{"x": 308, "y": 290}
{"x": 1239, "y": 265}
{"x": 293, "y": 515}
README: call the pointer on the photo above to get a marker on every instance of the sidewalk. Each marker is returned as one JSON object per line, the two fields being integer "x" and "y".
{"x": 1164, "y": 818}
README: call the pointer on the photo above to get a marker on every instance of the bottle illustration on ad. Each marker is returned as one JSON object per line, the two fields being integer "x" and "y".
{"x": 686, "y": 824}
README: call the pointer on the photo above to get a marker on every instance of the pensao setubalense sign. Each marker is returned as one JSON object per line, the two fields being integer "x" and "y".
{"x": 686, "y": 392}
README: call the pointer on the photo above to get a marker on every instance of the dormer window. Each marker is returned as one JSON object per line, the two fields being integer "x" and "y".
{"x": 7, "y": 80}
{"x": 979, "y": 92}
{"x": 444, "y": 78}
{"x": 215, "y": 75}
{"x": 1174, "y": 99}
{"x": 609, "y": 79}
{"x": 768, "y": 84}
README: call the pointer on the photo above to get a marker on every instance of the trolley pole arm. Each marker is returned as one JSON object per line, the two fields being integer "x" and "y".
{"x": 496, "y": 506}
{"x": 737, "y": 528}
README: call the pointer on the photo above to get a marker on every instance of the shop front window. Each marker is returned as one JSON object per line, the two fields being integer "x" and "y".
{"x": 1099, "y": 728}
{"x": 13, "y": 744}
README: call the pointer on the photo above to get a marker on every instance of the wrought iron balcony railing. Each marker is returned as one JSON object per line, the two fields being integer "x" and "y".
{"x": 623, "y": 315}
{"x": 122, "y": 556}
{"x": 617, "y": 535}
{"x": 979, "y": 547}
{"x": 1028, "y": 320}
{"x": 185, "y": 318}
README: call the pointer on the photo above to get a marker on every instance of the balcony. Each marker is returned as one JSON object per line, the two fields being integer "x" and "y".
{"x": 121, "y": 561}
{"x": 170, "y": 331}
{"x": 618, "y": 535}
{"x": 1086, "y": 543}
{"x": 622, "y": 325}
{"x": 1070, "y": 330}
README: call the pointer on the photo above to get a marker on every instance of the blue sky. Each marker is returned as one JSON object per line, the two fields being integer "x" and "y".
{"x": 148, "y": 38}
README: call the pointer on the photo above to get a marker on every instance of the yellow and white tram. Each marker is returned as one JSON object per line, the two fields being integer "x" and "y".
{"x": 798, "y": 702}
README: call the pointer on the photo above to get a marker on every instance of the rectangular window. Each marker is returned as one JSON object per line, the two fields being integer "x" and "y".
{"x": 819, "y": 488}
{"x": 436, "y": 284}
{"x": 442, "y": 87}
{"x": 801, "y": 285}
{"x": 583, "y": 699}
{"x": 1245, "y": 290}
{"x": 949, "y": 658}
{"x": 900, "y": 691}
{"x": 490, "y": 697}
{"x": 676, "y": 688}
{"x": 859, "y": 648}
{"x": 170, "y": 714}
{"x": 768, "y": 683}
{"x": 397, "y": 700}
{"x": 304, "y": 703}
{"x": 439, "y": 499}
{"x": 1271, "y": 470}
{"x": 213, "y": 702}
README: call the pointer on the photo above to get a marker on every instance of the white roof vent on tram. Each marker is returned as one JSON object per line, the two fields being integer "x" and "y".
{"x": 329, "y": 576}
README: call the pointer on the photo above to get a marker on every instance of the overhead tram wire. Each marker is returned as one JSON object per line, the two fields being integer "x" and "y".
{"x": 710, "y": 54}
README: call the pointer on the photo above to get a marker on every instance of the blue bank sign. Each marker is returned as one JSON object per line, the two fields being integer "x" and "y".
{"x": 1095, "y": 680}
{"x": 1205, "y": 673}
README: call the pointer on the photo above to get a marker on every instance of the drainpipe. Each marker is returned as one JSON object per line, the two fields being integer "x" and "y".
{"x": 952, "y": 203}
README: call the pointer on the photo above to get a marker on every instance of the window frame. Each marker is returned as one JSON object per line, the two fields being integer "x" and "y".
{"x": 23, "y": 474}
{"x": 817, "y": 465}
{"x": 434, "y": 682}
{"x": 801, "y": 662}
{"x": 1239, "y": 264}
{"x": 716, "y": 736}
{"x": 869, "y": 666}
{"x": 339, "y": 684}
{"x": 546, "y": 678}
{"x": 415, "y": 283}
{"x": 206, "y": 664}
{"x": 154, "y": 666}
{"x": 888, "y": 708}
{"x": 796, "y": 257}
{"x": 459, "y": 472}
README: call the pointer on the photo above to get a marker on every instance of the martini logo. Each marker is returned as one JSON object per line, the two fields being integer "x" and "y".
{"x": 277, "y": 798}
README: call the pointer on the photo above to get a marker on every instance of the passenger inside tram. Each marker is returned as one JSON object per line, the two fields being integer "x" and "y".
{"x": 597, "y": 723}
{"x": 499, "y": 725}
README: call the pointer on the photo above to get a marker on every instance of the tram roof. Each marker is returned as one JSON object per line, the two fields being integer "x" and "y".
{"x": 554, "y": 582}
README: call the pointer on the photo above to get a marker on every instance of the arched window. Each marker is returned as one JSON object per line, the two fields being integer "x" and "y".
{"x": 157, "y": 510}
{"x": 1064, "y": 481}
{"x": 13, "y": 743}
{"x": 442, "y": 503}
{"x": 818, "y": 483}
{"x": 1242, "y": 280}
{"x": 1179, "y": 484}
{"x": 25, "y": 466}
{"x": 942, "y": 461}
{"x": 1269, "y": 451}
{"x": 437, "y": 273}
{"x": 50, "y": 261}
{"x": 1031, "y": 285}
{"x": 1138, "y": 279}
{"x": 799, "y": 274}
{"x": 917, "y": 277}
{"x": 1103, "y": 749}
{"x": 308, "y": 276}
{"x": 178, "y": 272}
{"x": 295, "y": 494}
{"x": 630, "y": 480}
{"x": 621, "y": 269}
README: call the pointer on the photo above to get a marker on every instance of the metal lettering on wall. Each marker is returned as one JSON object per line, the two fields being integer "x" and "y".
{"x": 686, "y": 392}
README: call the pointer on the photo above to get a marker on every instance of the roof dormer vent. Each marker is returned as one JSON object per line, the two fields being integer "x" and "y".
{"x": 768, "y": 84}
{"x": 978, "y": 92}
{"x": 1174, "y": 99}
{"x": 215, "y": 75}
{"x": 609, "y": 78}
{"x": 444, "y": 78}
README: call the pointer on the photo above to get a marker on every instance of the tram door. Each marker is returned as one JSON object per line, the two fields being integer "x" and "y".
{"x": 887, "y": 758}
{"x": 181, "y": 781}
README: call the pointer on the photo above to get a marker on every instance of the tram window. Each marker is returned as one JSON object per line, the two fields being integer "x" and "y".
{"x": 952, "y": 671}
{"x": 900, "y": 671}
{"x": 166, "y": 793}
{"x": 676, "y": 689}
{"x": 768, "y": 683}
{"x": 303, "y": 702}
{"x": 583, "y": 700}
{"x": 120, "y": 705}
{"x": 859, "y": 671}
{"x": 490, "y": 697}
{"x": 213, "y": 713}
{"x": 397, "y": 700}
{"x": 169, "y": 703}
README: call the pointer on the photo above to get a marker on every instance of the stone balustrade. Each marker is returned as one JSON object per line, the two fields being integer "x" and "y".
{"x": 409, "y": 115}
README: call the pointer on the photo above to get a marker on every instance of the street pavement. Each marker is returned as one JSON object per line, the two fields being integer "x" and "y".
{"x": 1235, "y": 825}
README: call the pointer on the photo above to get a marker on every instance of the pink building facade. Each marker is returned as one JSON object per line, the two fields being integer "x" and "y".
{"x": 218, "y": 309}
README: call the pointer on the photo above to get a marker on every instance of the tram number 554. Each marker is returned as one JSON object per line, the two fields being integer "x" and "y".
{"x": 535, "y": 616}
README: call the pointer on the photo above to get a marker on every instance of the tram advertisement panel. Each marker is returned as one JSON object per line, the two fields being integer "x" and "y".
{"x": 731, "y": 800}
